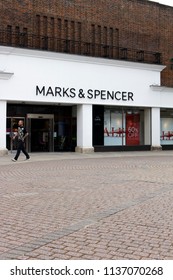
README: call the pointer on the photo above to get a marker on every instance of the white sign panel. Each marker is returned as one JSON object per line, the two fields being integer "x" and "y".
{"x": 60, "y": 78}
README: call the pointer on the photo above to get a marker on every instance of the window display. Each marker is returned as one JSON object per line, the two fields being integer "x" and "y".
{"x": 114, "y": 128}
{"x": 123, "y": 127}
{"x": 132, "y": 128}
{"x": 166, "y": 127}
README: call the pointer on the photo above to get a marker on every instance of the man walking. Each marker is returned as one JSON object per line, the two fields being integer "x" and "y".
{"x": 21, "y": 135}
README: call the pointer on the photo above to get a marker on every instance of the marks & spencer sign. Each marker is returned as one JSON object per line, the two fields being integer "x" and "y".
{"x": 90, "y": 94}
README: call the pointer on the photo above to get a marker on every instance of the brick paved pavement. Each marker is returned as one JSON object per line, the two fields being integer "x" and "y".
{"x": 99, "y": 206}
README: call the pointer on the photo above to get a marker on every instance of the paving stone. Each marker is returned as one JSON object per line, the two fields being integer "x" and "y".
{"x": 87, "y": 206}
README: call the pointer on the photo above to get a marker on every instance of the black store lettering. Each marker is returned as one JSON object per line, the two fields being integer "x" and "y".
{"x": 91, "y": 94}
{"x": 124, "y": 95}
{"x": 130, "y": 96}
{"x": 58, "y": 91}
{"x": 116, "y": 95}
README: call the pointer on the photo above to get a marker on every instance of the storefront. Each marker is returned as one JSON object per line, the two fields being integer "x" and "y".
{"x": 122, "y": 128}
{"x": 50, "y": 127}
{"x": 83, "y": 104}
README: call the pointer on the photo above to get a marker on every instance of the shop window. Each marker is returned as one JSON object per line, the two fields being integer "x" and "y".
{"x": 166, "y": 127}
{"x": 114, "y": 128}
{"x": 123, "y": 127}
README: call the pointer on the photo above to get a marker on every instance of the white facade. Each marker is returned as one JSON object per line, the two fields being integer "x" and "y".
{"x": 39, "y": 77}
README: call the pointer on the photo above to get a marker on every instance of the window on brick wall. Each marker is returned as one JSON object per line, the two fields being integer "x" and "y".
{"x": 79, "y": 37}
{"x": 37, "y": 32}
{"x": 24, "y": 38}
{"x": 59, "y": 35}
{"x": 9, "y": 35}
{"x": 171, "y": 64}
{"x": 66, "y": 36}
{"x": 52, "y": 34}
{"x": 93, "y": 39}
{"x": 45, "y": 37}
{"x": 52, "y": 27}
{"x": 17, "y": 35}
{"x": 72, "y": 36}
{"x": 105, "y": 35}
{"x": 79, "y": 29}
{"x": 37, "y": 26}
{"x": 105, "y": 47}
{"x": 21, "y": 37}
{"x": 115, "y": 40}
{"x": 45, "y": 26}
{"x": 111, "y": 41}
{"x": 66, "y": 29}
{"x": 99, "y": 39}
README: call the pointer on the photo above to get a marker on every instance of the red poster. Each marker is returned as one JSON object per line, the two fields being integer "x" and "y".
{"x": 132, "y": 129}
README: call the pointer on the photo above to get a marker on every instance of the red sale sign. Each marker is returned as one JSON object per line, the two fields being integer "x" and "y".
{"x": 132, "y": 129}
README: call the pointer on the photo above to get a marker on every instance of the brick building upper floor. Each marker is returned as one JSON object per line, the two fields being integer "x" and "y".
{"x": 136, "y": 30}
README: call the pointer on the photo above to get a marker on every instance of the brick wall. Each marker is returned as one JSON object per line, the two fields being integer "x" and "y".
{"x": 134, "y": 24}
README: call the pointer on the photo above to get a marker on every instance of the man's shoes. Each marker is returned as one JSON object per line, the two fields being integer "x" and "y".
{"x": 28, "y": 158}
{"x": 13, "y": 159}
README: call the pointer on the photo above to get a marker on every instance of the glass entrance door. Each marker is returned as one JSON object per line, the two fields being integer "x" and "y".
{"x": 40, "y": 128}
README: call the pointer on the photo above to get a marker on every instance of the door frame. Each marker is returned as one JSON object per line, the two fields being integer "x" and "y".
{"x": 49, "y": 117}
